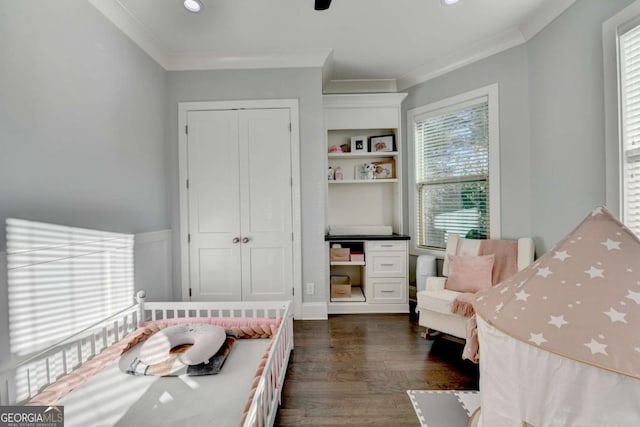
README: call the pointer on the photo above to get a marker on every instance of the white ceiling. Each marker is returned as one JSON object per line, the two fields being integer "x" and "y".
{"x": 401, "y": 41}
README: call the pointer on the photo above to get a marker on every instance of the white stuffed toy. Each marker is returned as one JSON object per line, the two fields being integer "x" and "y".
{"x": 370, "y": 168}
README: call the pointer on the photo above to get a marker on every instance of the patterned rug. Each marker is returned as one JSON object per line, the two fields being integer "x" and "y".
{"x": 444, "y": 408}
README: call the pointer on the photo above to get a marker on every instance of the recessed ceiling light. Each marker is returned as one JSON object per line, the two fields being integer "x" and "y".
{"x": 449, "y": 2}
{"x": 194, "y": 6}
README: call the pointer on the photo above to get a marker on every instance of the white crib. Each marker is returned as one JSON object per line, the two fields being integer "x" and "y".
{"x": 26, "y": 379}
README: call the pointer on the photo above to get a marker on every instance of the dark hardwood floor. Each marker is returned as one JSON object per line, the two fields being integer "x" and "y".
{"x": 355, "y": 370}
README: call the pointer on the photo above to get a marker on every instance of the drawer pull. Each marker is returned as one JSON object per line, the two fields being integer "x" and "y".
{"x": 387, "y": 291}
{"x": 386, "y": 246}
{"x": 387, "y": 265}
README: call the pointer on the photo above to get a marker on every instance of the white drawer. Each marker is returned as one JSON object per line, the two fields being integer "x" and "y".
{"x": 387, "y": 290}
{"x": 387, "y": 264}
{"x": 387, "y": 245}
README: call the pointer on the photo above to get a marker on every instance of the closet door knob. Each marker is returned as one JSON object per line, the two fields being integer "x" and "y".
{"x": 236, "y": 240}
{"x": 245, "y": 240}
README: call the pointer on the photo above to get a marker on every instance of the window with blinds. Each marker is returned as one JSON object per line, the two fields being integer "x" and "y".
{"x": 452, "y": 144}
{"x": 630, "y": 127}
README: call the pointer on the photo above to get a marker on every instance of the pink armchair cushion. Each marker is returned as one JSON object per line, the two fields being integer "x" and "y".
{"x": 469, "y": 273}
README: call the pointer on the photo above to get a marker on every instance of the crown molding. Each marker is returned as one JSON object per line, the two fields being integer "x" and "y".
{"x": 249, "y": 60}
{"x": 119, "y": 16}
{"x": 136, "y": 31}
{"x": 468, "y": 55}
{"x": 124, "y": 20}
{"x": 361, "y": 86}
{"x": 542, "y": 17}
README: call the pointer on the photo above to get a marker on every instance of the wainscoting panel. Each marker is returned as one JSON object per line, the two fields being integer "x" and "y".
{"x": 152, "y": 265}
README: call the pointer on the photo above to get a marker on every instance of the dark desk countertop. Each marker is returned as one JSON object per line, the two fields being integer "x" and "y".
{"x": 333, "y": 238}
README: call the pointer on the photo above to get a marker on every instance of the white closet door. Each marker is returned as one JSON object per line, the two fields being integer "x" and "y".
{"x": 266, "y": 204}
{"x": 214, "y": 205}
{"x": 240, "y": 205}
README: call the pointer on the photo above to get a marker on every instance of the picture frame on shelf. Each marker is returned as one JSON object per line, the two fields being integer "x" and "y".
{"x": 382, "y": 143}
{"x": 385, "y": 169}
{"x": 359, "y": 144}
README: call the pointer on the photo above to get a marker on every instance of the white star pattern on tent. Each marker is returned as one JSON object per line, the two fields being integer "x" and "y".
{"x": 634, "y": 296}
{"x": 595, "y": 272}
{"x": 611, "y": 244}
{"x": 615, "y": 315}
{"x": 582, "y": 298}
{"x": 557, "y": 321}
{"x": 544, "y": 272}
{"x": 561, "y": 255}
{"x": 597, "y": 347}
{"x": 537, "y": 338}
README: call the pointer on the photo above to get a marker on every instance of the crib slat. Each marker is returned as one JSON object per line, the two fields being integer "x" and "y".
{"x": 28, "y": 382}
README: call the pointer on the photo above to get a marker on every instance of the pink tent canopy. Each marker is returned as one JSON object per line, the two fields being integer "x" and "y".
{"x": 560, "y": 340}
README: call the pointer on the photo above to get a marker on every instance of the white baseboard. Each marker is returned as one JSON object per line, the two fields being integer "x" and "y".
{"x": 314, "y": 311}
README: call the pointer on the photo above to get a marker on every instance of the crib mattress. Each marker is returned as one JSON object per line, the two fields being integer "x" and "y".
{"x": 113, "y": 398}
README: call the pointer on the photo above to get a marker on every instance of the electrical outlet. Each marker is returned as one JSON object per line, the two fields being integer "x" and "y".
{"x": 310, "y": 289}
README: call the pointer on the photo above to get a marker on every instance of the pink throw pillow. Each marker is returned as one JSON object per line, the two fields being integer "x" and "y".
{"x": 469, "y": 273}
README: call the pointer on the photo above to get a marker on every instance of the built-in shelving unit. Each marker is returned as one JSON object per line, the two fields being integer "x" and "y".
{"x": 358, "y": 199}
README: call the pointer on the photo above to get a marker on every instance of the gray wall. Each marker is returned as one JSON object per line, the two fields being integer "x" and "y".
{"x": 551, "y": 121}
{"x": 509, "y": 70}
{"x": 566, "y": 105}
{"x": 82, "y": 112}
{"x": 304, "y": 84}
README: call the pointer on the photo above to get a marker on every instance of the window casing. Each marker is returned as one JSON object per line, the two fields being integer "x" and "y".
{"x": 629, "y": 86}
{"x": 454, "y": 163}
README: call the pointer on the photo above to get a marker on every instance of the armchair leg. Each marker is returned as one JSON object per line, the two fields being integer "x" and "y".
{"x": 429, "y": 334}
{"x": 425, "y": 334}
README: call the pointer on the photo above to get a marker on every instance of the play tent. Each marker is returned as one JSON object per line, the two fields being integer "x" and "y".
{"x": 560, "y": 340}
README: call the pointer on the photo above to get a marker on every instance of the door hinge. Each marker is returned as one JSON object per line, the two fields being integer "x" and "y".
{"x": 290, "y": 127}
{"x": 292, "y": 239}
{"x": 186, "y": 129}
{"x": 293, "y": 291}
{"x": 189, "y": 292}
{"x": 187, "y": 183}
{"x": 188, "y": 238}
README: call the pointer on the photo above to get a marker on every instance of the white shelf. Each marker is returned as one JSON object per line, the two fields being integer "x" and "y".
{"x": 362, "y": 155}
{"x": 363, "y": 201}
{"x": 362, "y": 181}
{"x": 347, "y": 263}
{"x": 356, "y": 296}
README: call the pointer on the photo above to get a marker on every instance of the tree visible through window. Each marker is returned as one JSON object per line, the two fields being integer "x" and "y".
{"x": 452, "y": 166}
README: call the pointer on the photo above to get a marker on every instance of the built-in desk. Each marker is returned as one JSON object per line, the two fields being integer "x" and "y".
{"x": 379, "y": 282}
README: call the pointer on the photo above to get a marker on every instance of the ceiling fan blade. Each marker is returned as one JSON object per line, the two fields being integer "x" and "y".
{"x": 322, "y": 4}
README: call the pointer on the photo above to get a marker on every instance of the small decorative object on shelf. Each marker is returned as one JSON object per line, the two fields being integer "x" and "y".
{"x": 335, "y": 149}
{"x": 359, "y": 144}
{"x": 382, "y": 143}
{"x": 365, "y": 171}
{"x": 370, "y": 168}
{"x": 330, "y": 174}
{"x": 339, "y": 174}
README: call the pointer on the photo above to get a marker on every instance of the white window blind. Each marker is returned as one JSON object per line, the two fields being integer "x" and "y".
{"x": 452, "y": 173}
{"x": 630, "y": 121}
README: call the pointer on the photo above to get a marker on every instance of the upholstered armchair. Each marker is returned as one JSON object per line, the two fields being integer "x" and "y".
{"x": 469, "y": 266}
